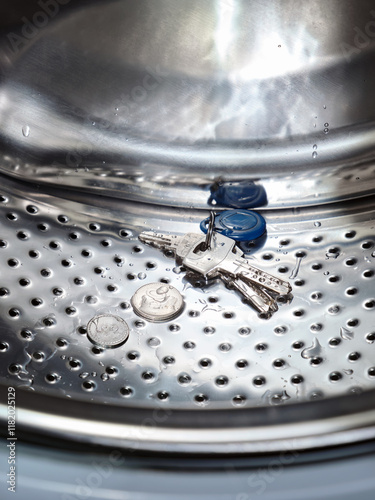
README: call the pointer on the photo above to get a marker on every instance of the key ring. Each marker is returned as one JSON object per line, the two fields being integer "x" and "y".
{"x": 210, "y": 230}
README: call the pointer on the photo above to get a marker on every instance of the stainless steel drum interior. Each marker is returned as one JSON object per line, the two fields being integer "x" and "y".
{"x": 120, "y": 117}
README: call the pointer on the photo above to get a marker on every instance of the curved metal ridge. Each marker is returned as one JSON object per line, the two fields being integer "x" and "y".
{"x": 156, "y": 113}
{"x": 181, "y": 175}
{"x": 319, "y": 424}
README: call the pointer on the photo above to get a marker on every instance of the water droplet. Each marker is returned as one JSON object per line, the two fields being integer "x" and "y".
{"x": 333, "y": 254}
{"x": 348, "y": 371}
{"x": 295, "y": 271}
{"x": 177, "y": 270}
{"x": 153, "y": 342}
{"x": 324, "y": 106}
{"x": 326, "y": 124}
{"x": 26, "y": 131}
{"x": 84, "y": 375}
{"x": 326, "y": 130}
{"x": 315, "y": 154}
{"x": 312, "y": 351}
{"x": 315, "y": 147}
{"x": 104, "y": 376}
{"x": 346, "y": 334}
{"x": 317, "y": 224}
{"x": 142, "y": 276}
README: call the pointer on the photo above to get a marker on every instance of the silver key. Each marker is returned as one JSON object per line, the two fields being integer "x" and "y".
{"x": 258, "y": 298}
{"x": 225, "y": 258}
{"x": 179, "y": 245}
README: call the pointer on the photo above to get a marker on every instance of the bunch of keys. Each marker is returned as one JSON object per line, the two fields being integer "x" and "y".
{"x": 216, "y": 256}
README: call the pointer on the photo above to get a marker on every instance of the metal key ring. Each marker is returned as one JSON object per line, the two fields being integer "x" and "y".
{"x": 210, "y": 230}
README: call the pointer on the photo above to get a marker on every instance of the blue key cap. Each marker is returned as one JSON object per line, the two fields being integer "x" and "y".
{"x": 240, "y": 224}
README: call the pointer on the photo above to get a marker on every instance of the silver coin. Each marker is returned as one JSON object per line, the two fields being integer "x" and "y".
{"x": 157, "y": 302}
{"x": 107, "y": 330}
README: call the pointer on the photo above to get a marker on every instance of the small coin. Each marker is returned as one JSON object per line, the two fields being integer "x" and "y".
{"x": 107, "y": 330}
{"x": 157, "y": 302}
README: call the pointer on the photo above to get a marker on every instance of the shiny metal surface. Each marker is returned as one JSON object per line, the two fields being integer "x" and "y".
{"x": 154, "y": 101}
{"x": 65, "y": 261}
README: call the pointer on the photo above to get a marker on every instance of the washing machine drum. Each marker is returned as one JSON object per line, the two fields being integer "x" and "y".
{"x": 119, "y": 118}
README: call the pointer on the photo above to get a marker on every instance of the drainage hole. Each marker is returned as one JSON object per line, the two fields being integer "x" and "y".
{"x": 32, "y": 209}
{"x": 316, "y": 361}
{"x": 354, "y": 356}
{"x": 201, "y": 398}
{"x": 335, "y": 376}
{"x": 4, "y": 346}
{"x": 63, "y": 219}
{"x": 162, "y": 395}
{"x": 36, "y": 302}
{"x": 169, "y": 360}
{"x": 51, "y": 378}
{"x": 184, "y": 378}
{"x": 297, "y": 379}
{"x": 221, "y": 381}
{"x": 127, "y": 391}
{"x": 259, "y": 381}
{"x": 89, "y": 385}
{"x": 205, "y": 363}
{"x": 242, "y": 363}
{"x": 298, "y": 345}
{"x": 369, "y": 273}
{"x": 351, "y": 262}
{"x": 22, "y": 235}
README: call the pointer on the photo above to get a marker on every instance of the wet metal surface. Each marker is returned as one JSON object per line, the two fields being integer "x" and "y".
{"x": 156, "y": 101}
{"x": 61, "y": 267}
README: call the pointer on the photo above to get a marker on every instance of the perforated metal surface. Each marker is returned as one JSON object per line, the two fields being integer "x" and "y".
{"x": 61, "y": 266}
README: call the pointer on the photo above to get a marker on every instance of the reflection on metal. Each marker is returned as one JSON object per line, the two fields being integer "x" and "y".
{"x": 179, "y": 94}
{"x": 157, "y": 103}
